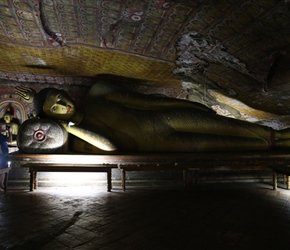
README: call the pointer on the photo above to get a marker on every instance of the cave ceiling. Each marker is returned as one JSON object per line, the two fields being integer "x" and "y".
{"x": 230, "y": 55}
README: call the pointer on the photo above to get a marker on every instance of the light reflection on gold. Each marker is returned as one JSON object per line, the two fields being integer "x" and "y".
{"x": 241, "y": 107}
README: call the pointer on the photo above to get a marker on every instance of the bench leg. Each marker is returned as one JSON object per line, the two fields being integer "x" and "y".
{"x": 33, "y": 180}
{"x": 5, "y": 183}
{"x": 288, "y": 182}
{"x": 186, "y": 177}
{"x": 109, "y": 179}
{"x": 123, "y": 180}
{"x": 274, "y": 180}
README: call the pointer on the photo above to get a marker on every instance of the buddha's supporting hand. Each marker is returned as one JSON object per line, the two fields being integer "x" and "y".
{"x": 27, "y": 94}
{"x": 95, "y": 139}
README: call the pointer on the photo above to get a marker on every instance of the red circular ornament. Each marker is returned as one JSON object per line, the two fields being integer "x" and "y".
{"x": 39, "y": 135}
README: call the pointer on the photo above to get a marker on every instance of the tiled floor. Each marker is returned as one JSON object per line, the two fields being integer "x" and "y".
{"x": 212, "y": 216}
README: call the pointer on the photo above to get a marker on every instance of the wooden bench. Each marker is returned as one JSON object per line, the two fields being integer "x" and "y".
{"x": 276, "y": 161}
{"x": 61, "y": 163}
{"x": 34, "y": 168}
{"x": 187, "y": 176}
{"x": 4, "y": 171}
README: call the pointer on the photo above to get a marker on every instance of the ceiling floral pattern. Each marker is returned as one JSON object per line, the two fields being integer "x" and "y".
{"x": 146, "y": 28}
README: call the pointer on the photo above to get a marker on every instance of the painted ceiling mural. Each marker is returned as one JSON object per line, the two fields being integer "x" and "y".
{"x": 231, "y": 55}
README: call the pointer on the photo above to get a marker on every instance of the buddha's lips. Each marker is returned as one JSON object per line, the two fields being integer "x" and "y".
{"x": 68, "y": 109}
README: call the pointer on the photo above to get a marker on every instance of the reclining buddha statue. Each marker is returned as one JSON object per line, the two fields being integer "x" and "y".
{"x": 111, "y": 119}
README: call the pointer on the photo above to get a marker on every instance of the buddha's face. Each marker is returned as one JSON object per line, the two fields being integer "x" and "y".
{"x": 7, "y": 118}
{"x": 59, "y": 105}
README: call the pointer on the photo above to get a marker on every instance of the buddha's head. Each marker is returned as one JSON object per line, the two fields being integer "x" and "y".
{"x": 54, "y": 103}
{"x": 8, "y": 116}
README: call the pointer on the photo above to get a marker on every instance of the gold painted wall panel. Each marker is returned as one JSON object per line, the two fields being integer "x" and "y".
{"x": 84, "y": 61}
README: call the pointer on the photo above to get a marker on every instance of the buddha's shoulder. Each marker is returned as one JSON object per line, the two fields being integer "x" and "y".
{"x": 102, "y": 88}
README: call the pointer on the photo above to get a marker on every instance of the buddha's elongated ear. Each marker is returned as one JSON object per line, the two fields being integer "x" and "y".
{"x": 27, "y": 94}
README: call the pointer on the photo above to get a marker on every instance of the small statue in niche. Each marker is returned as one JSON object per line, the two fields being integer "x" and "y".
{"x": 8, "y": 122}
{"x": 111, "y": 119}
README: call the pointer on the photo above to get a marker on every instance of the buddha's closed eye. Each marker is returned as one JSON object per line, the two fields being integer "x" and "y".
{"x": 53, "y": 109}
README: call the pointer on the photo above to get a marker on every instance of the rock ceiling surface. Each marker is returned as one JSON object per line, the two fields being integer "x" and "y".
{"x": 231, "y": 55}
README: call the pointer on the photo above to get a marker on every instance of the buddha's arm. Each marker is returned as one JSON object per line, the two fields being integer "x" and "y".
{"x": 134, "y": 100}
{"x": 95, "y": 139}
{"x": 152, "y": 102}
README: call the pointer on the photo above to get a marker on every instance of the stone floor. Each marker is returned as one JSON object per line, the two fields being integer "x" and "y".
{"x": 211, "y": 216}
